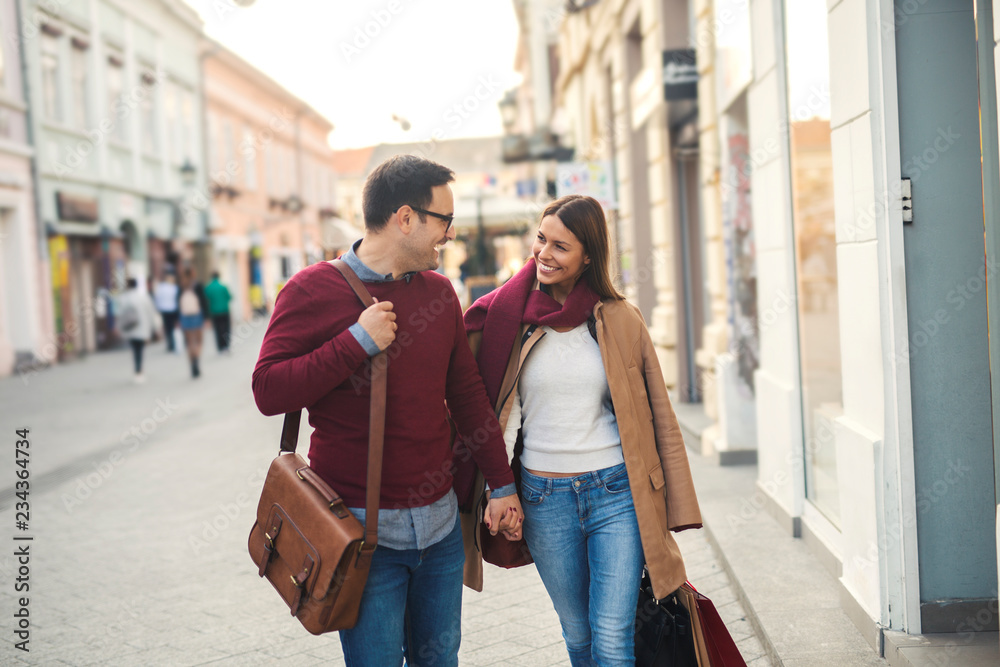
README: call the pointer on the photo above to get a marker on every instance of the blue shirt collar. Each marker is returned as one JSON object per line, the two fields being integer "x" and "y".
{"x": 366, "y": 274}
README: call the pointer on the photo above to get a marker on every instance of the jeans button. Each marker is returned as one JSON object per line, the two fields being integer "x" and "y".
{"x": 576, "y": 483}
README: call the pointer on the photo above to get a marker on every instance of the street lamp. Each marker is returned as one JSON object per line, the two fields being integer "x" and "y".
{"x": 293, "y": 204}
{"x": 188, "y": 173}
{"x": 508, "y": 110}
{"x": 403, "y": 123}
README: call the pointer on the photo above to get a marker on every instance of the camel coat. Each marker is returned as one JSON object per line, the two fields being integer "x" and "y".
{"x": 655, "y": 455}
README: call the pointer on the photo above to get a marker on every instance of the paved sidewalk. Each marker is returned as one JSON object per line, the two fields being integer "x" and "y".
{"x": 141, "y": 500}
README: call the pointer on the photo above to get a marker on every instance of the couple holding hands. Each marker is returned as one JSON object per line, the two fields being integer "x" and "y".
{"x": 553, "y": 384}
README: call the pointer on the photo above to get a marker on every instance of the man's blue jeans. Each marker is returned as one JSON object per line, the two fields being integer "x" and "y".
{"x": 412, "y": 605}
{"x": 584, "y": 537}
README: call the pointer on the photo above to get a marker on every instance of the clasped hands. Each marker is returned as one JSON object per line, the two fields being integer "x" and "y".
{"x": 504, "y": 515}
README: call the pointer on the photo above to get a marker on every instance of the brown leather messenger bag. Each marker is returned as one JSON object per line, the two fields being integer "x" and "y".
{"x": 306, "y": 542}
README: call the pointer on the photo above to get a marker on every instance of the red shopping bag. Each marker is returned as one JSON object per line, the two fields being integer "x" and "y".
{"x": 714, "y": 645}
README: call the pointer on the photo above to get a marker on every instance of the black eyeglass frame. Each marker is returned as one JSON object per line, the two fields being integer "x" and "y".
{"x": 450, "y": 219}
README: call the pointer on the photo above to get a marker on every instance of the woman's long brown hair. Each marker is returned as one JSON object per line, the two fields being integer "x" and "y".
{"x": 584, "y": 217}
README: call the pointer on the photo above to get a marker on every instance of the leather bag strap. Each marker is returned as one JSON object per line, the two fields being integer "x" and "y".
{"x": 376, "y": 424}
{"x": 290, "y": 431}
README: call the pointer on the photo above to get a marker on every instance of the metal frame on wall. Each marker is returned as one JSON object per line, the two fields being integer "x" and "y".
{"x": 985, "y": 46}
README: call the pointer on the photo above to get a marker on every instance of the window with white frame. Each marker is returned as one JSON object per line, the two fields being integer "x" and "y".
{"x": 271, "y": 183}
{"x": 3, "y": 65}
{"x": 213, "y": 141}
{"x": 319, "y": 185}
{"x": 117, "y": 111}
{"x": 249, "y": 150}
{"x": 51, "y": 99}
{"x": 172, "y": 115}
{"x": 287, "y": 171}
{"x": 80, "y": 73}
{"x": 308, "y": 192}
{"x": 188, "y": 125}
{"x": 229, "y": 152}
{"x": 324, "y": 190}
{"x": 147, "y": 111}
{"x": 282, "y": 180}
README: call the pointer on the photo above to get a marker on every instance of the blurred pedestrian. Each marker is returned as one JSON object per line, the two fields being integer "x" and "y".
{"x": 192, "y": 308}
{"x": 165, "y": 296}
{"x": 604, "y": 475}
{"x": 137, "y": 321}
{"x": 218, "y": 298}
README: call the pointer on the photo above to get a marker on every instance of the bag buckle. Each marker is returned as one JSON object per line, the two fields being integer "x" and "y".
{"x": 299, "y": 581}
{"x": 337, "y": 507}
{"x": 365, "y": 552}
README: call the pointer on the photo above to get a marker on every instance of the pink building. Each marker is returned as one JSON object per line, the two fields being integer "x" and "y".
{"x": 272, "y": 177}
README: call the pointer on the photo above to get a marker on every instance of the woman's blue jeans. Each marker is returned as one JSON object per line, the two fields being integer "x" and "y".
{"x": 412, "y": 606}
{"x": 584, "y": 537}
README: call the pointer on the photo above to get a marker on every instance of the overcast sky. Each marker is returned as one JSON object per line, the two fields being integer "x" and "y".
{"x": 441, "y": 64}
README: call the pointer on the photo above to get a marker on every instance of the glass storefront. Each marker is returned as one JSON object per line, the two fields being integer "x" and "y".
{"x": 808, "y": 69}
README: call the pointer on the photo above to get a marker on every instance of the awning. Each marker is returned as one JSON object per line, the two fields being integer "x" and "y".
{"x": 497, "y": 212}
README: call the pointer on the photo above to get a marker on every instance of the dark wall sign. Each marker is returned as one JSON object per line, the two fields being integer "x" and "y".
{"x": 680, "y": 75}
{"x": 74, "y": 208}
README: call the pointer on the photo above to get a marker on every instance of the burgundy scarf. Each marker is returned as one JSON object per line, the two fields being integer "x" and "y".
{"x": 500, "y": 314}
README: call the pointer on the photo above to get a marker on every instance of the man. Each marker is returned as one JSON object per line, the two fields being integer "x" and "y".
{"x": 218, "y": 298}
{"x": 316, "y": 355}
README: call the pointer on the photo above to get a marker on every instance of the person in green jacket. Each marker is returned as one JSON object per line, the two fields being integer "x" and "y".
{"x": 218, "y": 298}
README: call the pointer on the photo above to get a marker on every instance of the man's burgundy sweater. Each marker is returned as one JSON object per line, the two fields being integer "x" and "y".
{"x": 310, "y": 360}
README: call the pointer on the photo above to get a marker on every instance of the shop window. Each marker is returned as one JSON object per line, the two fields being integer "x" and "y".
{"x": 809, "y": 139}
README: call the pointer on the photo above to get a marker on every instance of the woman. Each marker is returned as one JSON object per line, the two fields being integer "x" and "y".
{"x": 191, "y": 306}
{"x": 604, "y": 475}
{"x": 165, "y": 296}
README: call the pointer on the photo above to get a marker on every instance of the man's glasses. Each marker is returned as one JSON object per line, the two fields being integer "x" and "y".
{"x": 440, "y": 216}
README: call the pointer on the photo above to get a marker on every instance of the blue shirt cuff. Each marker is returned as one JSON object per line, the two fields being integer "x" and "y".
{"x": 504, "y": 491}
{"x": 364, "y": 340}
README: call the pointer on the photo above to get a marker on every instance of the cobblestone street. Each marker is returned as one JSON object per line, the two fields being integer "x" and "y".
{"x": 141, "y": 499}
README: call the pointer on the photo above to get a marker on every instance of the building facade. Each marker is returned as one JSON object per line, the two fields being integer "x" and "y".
{"x": 838, "y": 239}
{"x": 272, "y": 181}
{"x": 534, "y": 136}
{"x": 115, "y": 99}
{"x": 872, "y": 391}
{"x": 26, "y": 331}
{"x": 640, "y": 129}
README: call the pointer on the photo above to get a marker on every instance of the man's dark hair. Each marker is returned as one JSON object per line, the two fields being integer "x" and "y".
{"x": 131, "y": 282}
{"x": 402, "y": 179}
{"x": 215, "y": 275}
